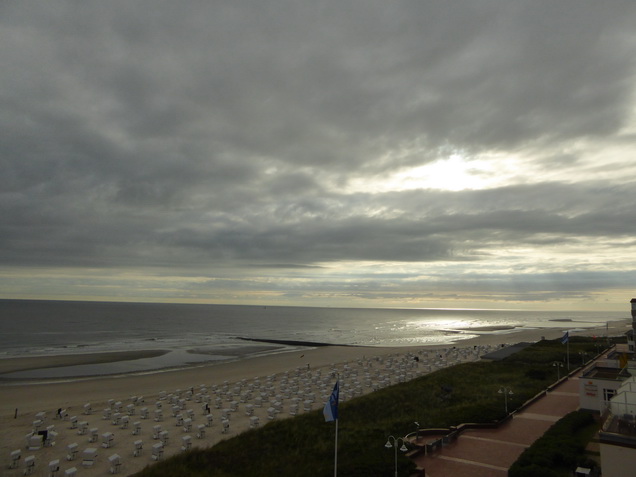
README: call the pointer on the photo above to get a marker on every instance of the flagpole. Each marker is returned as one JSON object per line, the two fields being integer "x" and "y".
{"x": 330, "y": 411}
{"x": 335, "y": 458}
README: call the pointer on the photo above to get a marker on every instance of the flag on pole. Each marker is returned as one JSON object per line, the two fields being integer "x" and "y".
{"x": 566, "y": 337}
{"x": 330, "y": 411}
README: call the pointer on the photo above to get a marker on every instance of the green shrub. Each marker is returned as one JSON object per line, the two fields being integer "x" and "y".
{"x": 559, "y": 450}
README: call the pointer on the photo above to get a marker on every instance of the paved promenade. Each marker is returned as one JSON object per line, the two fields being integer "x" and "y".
{"x": 490, "y": 452}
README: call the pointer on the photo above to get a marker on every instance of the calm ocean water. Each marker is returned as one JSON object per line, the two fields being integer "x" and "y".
{"x": 29, "y": 328}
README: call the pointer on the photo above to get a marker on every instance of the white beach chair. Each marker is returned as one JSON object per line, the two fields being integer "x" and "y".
{"x": 71, "y": 451}
{"x": 29, "y": 465}
{"x": 125, "y": 420}
{"x": 54, "y": 467}
{"x": 117, "y": 406}
{"x": 71, "y": 472}
{"x": 73, "y": 420}
{"x": 94, "y": 434}
{"x": 190, "y": 413}
{"x": 108, "y": 439}
{"x": 187, "y": 425}
{"x": 41, "y": 416}
{"x": 143, "y": 413}
{"x": 164, "y": 437}
{"x": 254, "y": 422}
{"x": 139, "y": 445}
{"x": 82, "y": 427}
{"x": 208, "y": 420}
{"x": 106, "y": 413}
{"x": 179, "y": 420}
{"x": 157, "y": 451}
{"x": 226, "y": 426}
{"x": 49, "y": 439}
{"x": 37, "y": 424}
{"x": 156, "y": 431}
{"x": 201, "y": 431}
{"x": 130, "y": 409}
{"x": 88, "y": 456}
{"x": 14, "y": 459}
{"x": 88, "y": 409}
{"x": 158, "y": 415}
{"x": 136, "y": 428}
{"x": 115, "y": 464}
{"x": 116, "y": 418}
{"x": 186, "y": 443}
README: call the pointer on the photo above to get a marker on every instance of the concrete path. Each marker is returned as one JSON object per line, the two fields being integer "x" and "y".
{"x": 490, "y": 452}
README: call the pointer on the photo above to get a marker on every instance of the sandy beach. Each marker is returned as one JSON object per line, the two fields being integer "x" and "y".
{"x": 238, "y": 383}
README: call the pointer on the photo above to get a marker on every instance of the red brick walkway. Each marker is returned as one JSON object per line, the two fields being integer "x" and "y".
{"x": 490, "y": 452}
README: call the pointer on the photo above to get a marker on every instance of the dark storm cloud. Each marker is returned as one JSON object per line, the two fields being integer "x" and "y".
{"x": 207, "y": 133}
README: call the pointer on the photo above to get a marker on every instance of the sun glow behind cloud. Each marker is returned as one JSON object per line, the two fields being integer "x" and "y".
{"x": 455, "y": 173}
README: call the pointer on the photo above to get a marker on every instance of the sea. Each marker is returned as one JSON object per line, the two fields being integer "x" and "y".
{"x": 204, "y": 332}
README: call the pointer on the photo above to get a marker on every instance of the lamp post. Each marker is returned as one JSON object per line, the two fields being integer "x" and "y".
{"x": 417, "y": 431}
{"x": 393, "y": 442}
{"x": 558, "y": 365}
{"x": 506, "y": 392}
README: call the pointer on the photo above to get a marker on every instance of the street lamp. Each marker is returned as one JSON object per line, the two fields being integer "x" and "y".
{"x": 417, "y": 431}
{"x": 393, "y": 442}
{"x": 558, "y": 365}
{"x": 506, "y": 392}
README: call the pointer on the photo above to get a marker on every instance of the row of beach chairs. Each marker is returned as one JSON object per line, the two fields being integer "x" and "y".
{"x": 292, "y": 392}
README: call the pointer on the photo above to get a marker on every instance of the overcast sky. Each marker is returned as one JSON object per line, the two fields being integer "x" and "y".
{"x": 409, "y": 153}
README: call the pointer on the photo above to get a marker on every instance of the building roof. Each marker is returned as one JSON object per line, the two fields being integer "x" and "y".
{"x": 619, "y": 427}
{"x": 607, "y": 373}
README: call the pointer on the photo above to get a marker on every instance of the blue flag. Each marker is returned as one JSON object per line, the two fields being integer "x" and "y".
{"x": 330, "y": 410}
{"x": 566, "y": 337}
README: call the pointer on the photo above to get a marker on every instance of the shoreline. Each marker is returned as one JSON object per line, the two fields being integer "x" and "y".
{"x": 483, "y": 336}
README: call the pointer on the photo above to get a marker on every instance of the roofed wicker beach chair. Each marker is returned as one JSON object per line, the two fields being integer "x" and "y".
{"x": 139, "y": 445}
